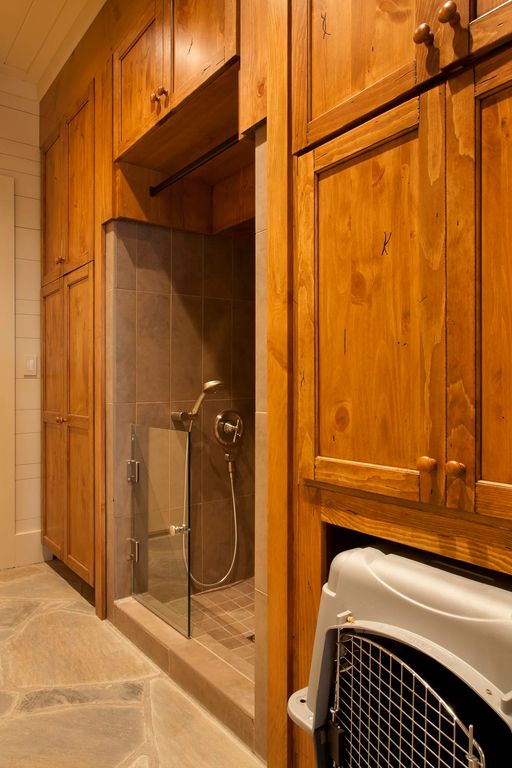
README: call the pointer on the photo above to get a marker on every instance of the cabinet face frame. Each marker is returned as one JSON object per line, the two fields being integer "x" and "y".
{"x": 160, "y": 61}
{"x": 449, "y": 45}
{"x": 406, "y": 483}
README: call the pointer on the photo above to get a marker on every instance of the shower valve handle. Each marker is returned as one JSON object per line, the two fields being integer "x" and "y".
{"x": 175, "y": 530}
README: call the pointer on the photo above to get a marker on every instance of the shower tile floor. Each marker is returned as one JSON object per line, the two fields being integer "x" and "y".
{"x": 75, "y": 692}
{"x": 221, "y": 620}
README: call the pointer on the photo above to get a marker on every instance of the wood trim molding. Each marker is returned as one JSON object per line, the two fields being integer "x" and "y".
{"x": 7, "y": 387}
{"x": 279, "y": 335}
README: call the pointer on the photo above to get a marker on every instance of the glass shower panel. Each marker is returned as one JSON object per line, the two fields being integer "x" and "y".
{"x": 161, "y": 523}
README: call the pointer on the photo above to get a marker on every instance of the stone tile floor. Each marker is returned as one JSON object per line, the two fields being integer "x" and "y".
{"x": 74, "y": 693}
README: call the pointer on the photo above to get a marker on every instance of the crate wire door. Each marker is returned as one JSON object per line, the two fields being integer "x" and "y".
{"x": 384, "y": 714}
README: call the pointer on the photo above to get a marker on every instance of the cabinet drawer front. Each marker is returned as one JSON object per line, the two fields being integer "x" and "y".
{"x": 377, "y": 282}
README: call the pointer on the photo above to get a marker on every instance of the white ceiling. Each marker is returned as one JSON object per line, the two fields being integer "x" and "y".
{"x": 37, "y": 36}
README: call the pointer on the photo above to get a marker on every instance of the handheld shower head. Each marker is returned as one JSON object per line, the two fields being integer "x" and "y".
{"x": 209, "y": 388}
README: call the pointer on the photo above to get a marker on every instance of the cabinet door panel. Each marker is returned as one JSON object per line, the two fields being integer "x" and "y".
{"x": 494, "y": 489}
{"x": 138, "y": 73}
{"x": 54, "y": 457}
{"x": 80, "y": 160}
{"x": 356, "y": 56}
{"x": 80, "y": 535}
{"x": 54, "y": 183}
{"x": 54, "y": 486}
{"x": 79, "y": 424}
{"x": 198, "y": 33}
{"x": 380, "y": 300}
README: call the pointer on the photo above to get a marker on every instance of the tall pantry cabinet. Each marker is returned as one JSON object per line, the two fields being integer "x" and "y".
{"x": 402, "y": 284}
{"x": 68, "y": 340}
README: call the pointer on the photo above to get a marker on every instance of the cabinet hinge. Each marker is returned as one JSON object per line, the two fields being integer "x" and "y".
{"x": 134, "y": 550}
{"x": 132, "y": 471}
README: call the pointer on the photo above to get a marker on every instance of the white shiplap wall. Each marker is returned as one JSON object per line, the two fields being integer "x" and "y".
{"x": 19, "y": 158}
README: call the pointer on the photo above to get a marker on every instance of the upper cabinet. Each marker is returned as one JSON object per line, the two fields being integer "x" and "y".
{"x": 68, "y": 190}
{"x": 142, "y": 78}
{"x": 354, "y": 56}
{"x": 203, "y": 39}
{"x": 175, "y": 46}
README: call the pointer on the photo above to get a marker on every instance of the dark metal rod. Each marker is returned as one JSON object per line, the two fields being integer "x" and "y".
{"x": 194, "y": 166}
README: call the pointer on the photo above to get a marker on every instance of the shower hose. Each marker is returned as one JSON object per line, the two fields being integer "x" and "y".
{"x": 230, "y": 465}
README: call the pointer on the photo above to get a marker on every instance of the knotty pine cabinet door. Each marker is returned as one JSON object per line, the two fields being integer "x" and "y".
{"x": 54, "y": 235}
{"x": 371, "y": 305}
{"x": 203, "y": 39}
{"x": 68, "y": 440}
{"x": 79, "y": 144}
{"x": 479, "y": 148}
{"x": 355, "y": 56}
{"x": 141, "y": 78}
{"x": 54, "y": 475}
{"x": 68, "y": 192}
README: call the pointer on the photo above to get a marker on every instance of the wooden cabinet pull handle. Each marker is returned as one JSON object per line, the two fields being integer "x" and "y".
{"x": 426, "y": 464}
{"x": 58, "y": 419}
{"x": 422, "y": 35}
{"x": 455, "y": 468}
{"x": 448, "y": 13}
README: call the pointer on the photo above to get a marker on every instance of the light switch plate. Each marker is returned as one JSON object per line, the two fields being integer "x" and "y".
{"x": 30, "y": 365}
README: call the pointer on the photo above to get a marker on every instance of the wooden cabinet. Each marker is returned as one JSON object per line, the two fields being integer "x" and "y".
{"x": 141, "y": 78}
{"x": 174, "y": 48}
{"x": 403, "y": 300}
{"x": 68, "y": 192}
{"x": 351, "y": 58}
{"x": 68, "y": 447}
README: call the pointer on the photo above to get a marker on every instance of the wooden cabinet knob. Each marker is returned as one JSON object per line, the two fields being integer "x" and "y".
{"x": 154, "y": 98}
{"x": 455, "y": 468}
{"x": 161, "y": 91}
{"x": 422, "y": 35}
{"x": 58, "y": 419}
{"x": 426, "y": 464}
{"x": 448, "y": 13}
{"x": 64, "y": 419}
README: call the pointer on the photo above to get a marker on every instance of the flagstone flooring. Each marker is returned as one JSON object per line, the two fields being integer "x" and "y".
{"x": 74, "y": 693}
